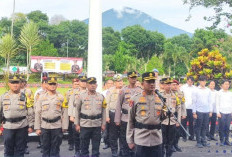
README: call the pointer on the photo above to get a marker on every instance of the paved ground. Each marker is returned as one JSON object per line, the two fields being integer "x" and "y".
{"x": 189, "y": 150}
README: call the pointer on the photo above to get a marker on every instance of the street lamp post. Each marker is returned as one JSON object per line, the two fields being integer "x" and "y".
{"x": 12, "y": 21}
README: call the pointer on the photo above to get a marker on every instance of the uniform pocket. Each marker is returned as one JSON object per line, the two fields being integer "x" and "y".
{"x": 45, "y": 106}
{"x": 6, "y": 105}
{"x": 21, "y": 105}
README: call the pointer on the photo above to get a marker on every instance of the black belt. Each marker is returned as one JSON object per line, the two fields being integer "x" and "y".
{"x": 14, "y": 120}
{"x": 147, "y": 126}
{"x": 124, "y": 111}
{"x": 51, "y": 120}
{"x": 84, "y": 116}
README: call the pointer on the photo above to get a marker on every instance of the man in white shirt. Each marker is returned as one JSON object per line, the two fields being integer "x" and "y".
{"x": 224, "y": 111}
{"x": 187, "y": 89}
{"x": 202, "y": 110}
{"x": 212, "y": 121}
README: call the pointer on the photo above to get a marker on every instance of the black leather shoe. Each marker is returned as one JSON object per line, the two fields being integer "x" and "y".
{"x": 26, "y": 151}
{"x": 173, "y": 149}
{"x": 77, "y": 154}
{"x": 71, "y": 147}
{"x": 192, "y": 139}
{"x": 206, "y": 144}
{"x": 106, "y": 146}
{"x": 184, "y": 139}
{"x": 227, "y": 142}
{"x": 178, "y": 149}
{"x": 213, "y": 138}
{"x": 39, "y": 145}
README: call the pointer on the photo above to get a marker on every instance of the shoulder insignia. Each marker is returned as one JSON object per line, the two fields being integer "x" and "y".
{"x": 104, "y": 104}
{"x": 183, "y": 99}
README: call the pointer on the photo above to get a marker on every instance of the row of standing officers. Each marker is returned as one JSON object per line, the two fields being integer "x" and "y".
{"x": 134, "y": 115}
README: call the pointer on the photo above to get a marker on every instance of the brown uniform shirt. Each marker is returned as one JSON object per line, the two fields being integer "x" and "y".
{"x": 180, "y": 95}
{"x": 51, "y": 107}
{"x": 69, "y": 95}
{"x": 90, "y": 105}
{"x": 171, "y": 102}
{"x": 145, "y": 109}
{"x": 71, "y": 104}
{"x": 111, "y": 100}
{"x": 123, "y": 103}
{"x": 12, "y": 107}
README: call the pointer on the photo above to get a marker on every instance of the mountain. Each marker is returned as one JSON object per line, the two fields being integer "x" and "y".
{"x": 129, "y": 17}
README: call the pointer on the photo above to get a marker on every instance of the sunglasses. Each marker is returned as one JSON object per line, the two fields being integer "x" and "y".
{"x": 15, "y": 82}
{"x": 52, "y": 84}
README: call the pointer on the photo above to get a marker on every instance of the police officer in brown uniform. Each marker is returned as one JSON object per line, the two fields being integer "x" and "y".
{"x": 121, "y": 112}
{"x": 51, "y": 119}
{"x": 144, "y": 122}
{"x": 17, "y": 117}
{"x": 30, "y": 99}
{"x": 180, "y": 101}
{"x": 71, "y": 112}
{"x": 90, "y": 118}
{"x": 169, "y": 124}
{"x": 67, "y": 96}
{"x": 111, "y": 99}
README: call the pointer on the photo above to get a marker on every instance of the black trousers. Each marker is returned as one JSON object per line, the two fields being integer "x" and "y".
{"x": 70, "y": 133}
{"x": 105, "y": 135}
{"x": 169, "y": 135}
{"x": 212, "y": 121}
{"x": 51, "y": 139}
{"x": 114, "y": 132}
{"x": 124, "y": 150}
{"x": 189, "y": 119}
{"x": 177, "y": 135}
{"x": 15, "y": 142}
{"x": 73, "y": 136}
{"x": 202, "y": 123}
{"x": 87, "y": 134}
{"x": 144, "y": 151}
{"x": 224, "y": 126}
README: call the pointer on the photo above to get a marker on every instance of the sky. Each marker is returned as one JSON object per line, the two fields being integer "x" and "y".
{"x": 172, "y": 12}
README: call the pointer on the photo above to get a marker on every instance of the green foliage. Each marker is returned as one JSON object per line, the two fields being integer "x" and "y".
{"x": 155, "y": 63}
{"x": 37, "y": 16}
{"x": 146, "y": 42}
{"x": 8, "y": 48}
{"x": 219, "y": 6}
{"x": 45, "y": 48}
{"x": 211, "y": 64}
{"x": 110, "y": 40}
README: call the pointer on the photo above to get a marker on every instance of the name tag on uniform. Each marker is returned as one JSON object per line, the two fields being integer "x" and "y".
{"x": 142, "y": 99}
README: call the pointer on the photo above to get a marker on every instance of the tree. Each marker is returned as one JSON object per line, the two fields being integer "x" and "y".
{"x": 8, "y": 49}
{"x": 37, "y": 16}
{"x": 157, "y": 63}
{"x": 226, "y": 49}
{"x": 211, "y": 64}
{"x": 45, "y": 48}
{"x": 219, "y": 7}
{"x": 29, "y": 38}
{"x": 110, "y": 40}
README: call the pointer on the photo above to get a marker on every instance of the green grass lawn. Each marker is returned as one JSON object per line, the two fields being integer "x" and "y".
{"x": 61, "y": 90}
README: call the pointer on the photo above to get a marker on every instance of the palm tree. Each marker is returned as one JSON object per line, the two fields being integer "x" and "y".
{"x": 8, "y": 49}
{"x": 29, "y": 38}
